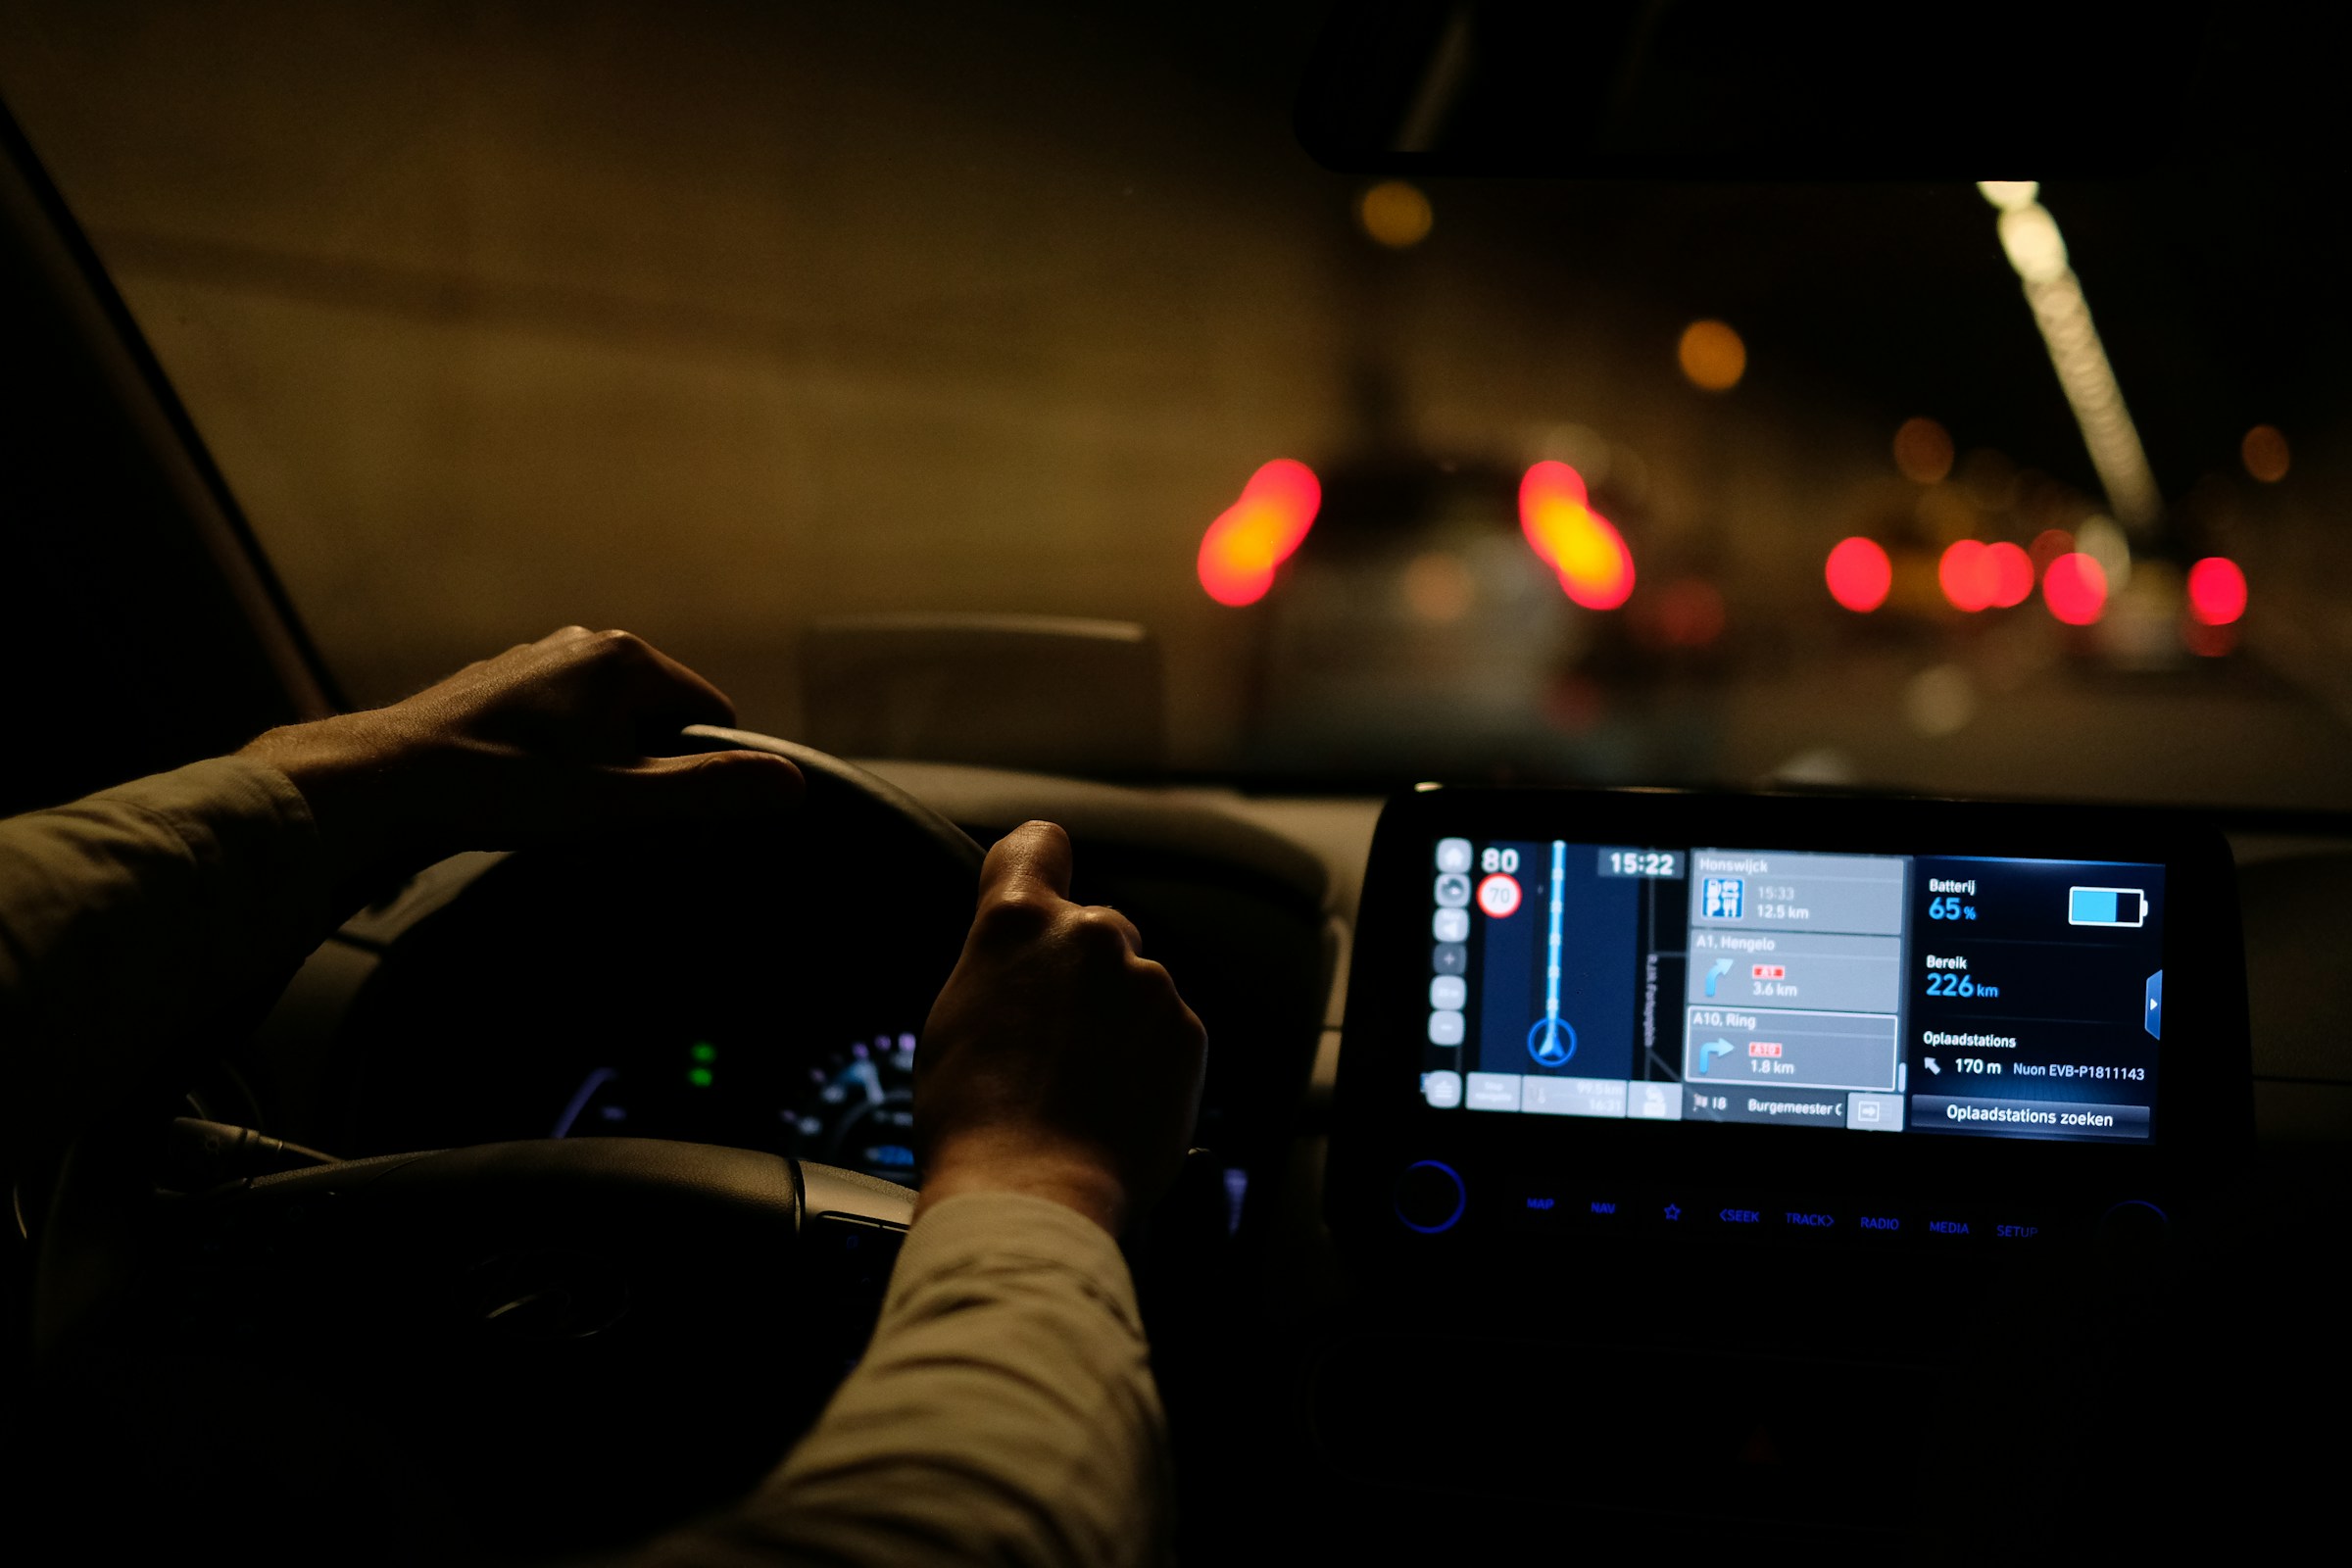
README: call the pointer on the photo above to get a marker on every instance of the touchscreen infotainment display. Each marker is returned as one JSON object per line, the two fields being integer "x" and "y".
{"x": 1907, "y": 994}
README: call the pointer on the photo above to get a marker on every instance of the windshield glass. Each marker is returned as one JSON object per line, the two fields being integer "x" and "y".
{"x": 1006, "y": 384}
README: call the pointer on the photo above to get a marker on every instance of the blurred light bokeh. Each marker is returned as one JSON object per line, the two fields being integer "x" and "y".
{"x": 718, "y": 321}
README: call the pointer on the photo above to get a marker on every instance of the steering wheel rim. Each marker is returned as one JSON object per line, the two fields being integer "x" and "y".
{"x": 831, "y": 780}
{"x": 111, "y": 1247}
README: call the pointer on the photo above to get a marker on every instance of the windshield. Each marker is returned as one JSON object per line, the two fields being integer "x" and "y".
{"x": 1006, "y": 384}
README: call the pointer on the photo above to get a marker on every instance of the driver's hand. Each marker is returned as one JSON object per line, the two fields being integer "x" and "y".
{"x": 1058, "y": 1061}
{"x": 547, "y": 738}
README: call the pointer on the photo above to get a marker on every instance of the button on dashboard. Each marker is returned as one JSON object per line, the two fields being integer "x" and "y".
{"x": 1741, "y": 1216}
{"x": 1542, "y": 1210}
{"x": 1810, "y": 1222}
{"x": 1611, "y": 1214}
{"x": 1430, "y": 1196}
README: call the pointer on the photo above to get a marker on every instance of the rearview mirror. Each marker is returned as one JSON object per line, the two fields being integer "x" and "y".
{"x": 1730, "y": 89}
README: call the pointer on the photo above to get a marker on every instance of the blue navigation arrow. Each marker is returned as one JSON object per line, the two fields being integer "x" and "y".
{"x": 1723, "y": 967}
{"x": 1552, "y": 1041}
{"x": 1710, "y": 1051}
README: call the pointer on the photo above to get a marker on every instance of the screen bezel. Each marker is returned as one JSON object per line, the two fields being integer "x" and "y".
{"x": 2203, "y": 1104}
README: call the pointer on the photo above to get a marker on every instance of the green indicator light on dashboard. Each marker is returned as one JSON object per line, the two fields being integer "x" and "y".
{"x": 700, "y": 1077}
{"x": 704, "y": 1052}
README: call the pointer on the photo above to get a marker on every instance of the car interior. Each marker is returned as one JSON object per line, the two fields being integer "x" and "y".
{"x": 1613, "y": 631}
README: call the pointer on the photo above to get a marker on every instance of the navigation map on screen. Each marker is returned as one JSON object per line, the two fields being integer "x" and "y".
{"x": 1865, "y": 992}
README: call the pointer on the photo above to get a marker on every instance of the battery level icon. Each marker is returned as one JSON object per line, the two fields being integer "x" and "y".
{"x": 2106, "y": 907}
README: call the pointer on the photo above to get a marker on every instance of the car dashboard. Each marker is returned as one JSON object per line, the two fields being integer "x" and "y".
{"x": 625, "y": 990}
{"x": 1316, "y": 1393}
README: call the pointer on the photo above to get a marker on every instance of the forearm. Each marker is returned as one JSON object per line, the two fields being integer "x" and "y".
{"x": 1004, "y": 1413}
{"x": 128, "y": 916}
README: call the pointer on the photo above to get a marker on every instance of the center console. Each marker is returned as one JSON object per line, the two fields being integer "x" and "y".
{"x": 1685, "y": 1020}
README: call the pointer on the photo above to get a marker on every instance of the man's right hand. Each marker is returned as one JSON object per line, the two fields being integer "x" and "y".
{"x": 1058, "y": 1061}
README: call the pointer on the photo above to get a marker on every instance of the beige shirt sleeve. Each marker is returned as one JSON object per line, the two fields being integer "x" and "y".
{"x": 133, "y": 915}
{"x": 1004, "y": 1413}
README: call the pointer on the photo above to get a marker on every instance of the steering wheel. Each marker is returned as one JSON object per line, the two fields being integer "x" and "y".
{"x": 559, "y": 1344}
